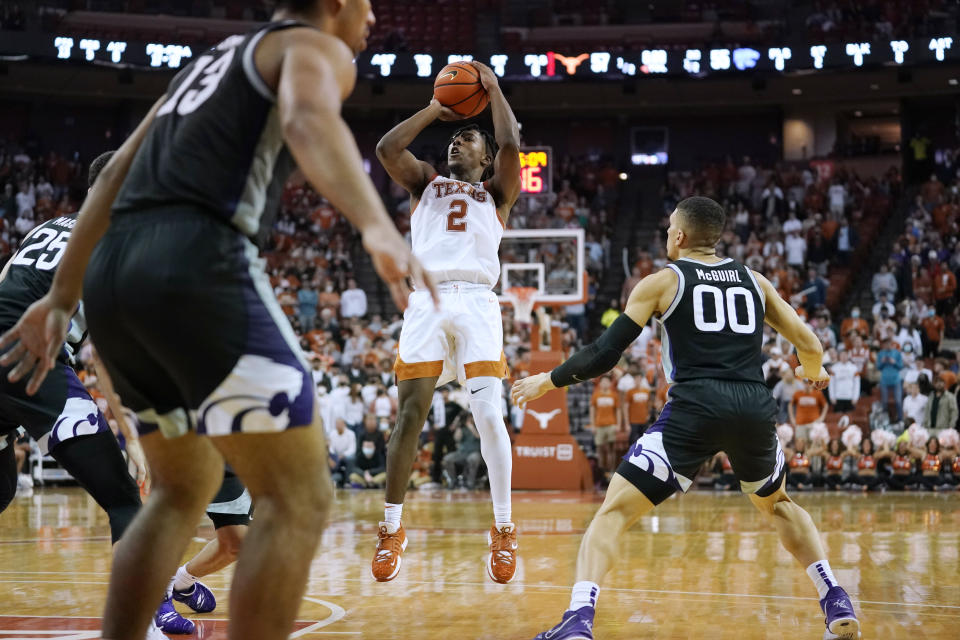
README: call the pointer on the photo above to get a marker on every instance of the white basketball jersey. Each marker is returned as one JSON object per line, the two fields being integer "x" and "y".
{"x": 456, "y": 232}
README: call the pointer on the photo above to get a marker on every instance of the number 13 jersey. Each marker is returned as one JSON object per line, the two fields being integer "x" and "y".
{"x": 714, "y": 326}
{"x": 216, "y": 144}
{"x": 456, "y": 232}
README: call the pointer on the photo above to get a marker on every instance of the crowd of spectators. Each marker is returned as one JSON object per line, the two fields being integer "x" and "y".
{"x": 894, "y": 363}
{"x": 312, "y": 258}
{"x": 35, "y": 188}
{"x": 798, "y": 224}
{"x": 865, "y": 20}
{"x": 790, "y": 222}
{"x": 915, "y": 311}
{"x": 913, "y": 462}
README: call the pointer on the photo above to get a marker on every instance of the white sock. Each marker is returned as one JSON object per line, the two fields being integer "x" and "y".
{"x": 183, "y": 579}
{"x": 391, "y": 514}
{"x": 584, "y": 595}
{"x": 494, "y": 443}
{"x": 822, "y": 577}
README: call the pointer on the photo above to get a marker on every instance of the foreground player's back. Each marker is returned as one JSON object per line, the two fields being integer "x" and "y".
{"x": 714, "y": 327}
{"x": 216, "y": 143}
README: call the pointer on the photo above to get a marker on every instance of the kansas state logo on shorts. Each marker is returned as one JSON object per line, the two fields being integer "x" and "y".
{"x": 649, "y": 455}
{"x": 259, "y": 395}
{"x": 80, "y": 417}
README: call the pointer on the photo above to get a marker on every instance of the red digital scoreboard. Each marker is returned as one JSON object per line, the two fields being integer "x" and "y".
{"x": 536, "y": 170}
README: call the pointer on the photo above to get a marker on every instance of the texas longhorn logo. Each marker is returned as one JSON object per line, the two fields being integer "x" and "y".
{"x": 543, "y": 418}
{"x": 572, "y": 62}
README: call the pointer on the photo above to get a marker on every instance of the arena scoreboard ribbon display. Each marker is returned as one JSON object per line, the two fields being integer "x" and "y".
{"x": 543, "y": 66}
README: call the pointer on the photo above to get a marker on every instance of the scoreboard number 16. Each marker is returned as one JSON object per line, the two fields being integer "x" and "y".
{"x": 536, "y": 170}
{"x": 530, "y": 180}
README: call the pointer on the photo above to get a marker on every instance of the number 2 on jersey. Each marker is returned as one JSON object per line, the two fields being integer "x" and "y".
{"x": 456, "y": 218}
{"x": 723, "y": 313}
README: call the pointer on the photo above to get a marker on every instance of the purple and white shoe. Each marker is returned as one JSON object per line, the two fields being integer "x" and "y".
{"x": 169, "y": 619}
{"x": 199, "y": 598}
{"x": 841, "y": 621}
{"x": 575, "y": 625}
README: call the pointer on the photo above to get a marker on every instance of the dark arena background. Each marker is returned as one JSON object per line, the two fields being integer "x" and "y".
{"x": 828, "y": 130}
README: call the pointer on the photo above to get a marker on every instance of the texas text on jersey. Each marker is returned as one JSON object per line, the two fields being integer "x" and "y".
{"x": 456, "y": 232}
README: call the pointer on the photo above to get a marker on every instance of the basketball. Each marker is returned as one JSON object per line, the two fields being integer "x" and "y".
{"x": 458, "y": 87}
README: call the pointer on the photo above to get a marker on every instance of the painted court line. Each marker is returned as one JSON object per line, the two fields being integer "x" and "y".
{"x": 665, "y": 592}
{"x": 516, "y": 584}
{"x": 10, "y": 615}
{"x": 74, "y": 539}
{"x": 336, "y": 613}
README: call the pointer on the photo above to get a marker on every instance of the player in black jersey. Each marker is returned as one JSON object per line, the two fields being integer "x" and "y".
{"x": 183, "y": 315}
{"x": 61, "y": 416}
{"x": 711, "y": 312}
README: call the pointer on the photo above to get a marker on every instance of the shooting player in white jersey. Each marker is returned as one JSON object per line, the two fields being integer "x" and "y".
{"x": 456, "y": 227}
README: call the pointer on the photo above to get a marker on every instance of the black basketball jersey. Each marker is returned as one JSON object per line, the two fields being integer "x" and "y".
{"x": 215, "y": 144}
{"x": 30, "y": 273}
{"x": 714, "y": 327}
{"x": 31, "y": 269}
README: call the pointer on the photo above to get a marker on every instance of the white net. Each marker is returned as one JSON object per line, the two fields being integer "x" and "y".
{"x": 522, "y": 299}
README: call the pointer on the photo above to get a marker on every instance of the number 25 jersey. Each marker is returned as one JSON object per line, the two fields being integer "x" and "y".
{"x": 456, "y": 231}
{"x": 714, "y": 326}
{"x": 29, "y": 274}
{"x": 215, "y": 145}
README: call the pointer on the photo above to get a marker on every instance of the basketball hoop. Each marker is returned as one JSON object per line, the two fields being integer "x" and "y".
{"x": 522, "y": 299}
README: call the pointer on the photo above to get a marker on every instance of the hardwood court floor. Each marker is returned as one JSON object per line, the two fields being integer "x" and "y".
{"x": 704, "y": 566}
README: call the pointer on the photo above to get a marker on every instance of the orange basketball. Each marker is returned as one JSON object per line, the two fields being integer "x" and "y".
{"x": 458, "y": 88}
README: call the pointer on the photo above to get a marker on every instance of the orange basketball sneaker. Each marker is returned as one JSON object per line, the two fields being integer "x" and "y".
{"x": 502, "y": 559}
{"x": 390, "y": 546}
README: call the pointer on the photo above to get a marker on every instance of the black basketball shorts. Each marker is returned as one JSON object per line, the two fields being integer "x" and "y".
{"x": 701, "y": 418}
{"x": 232, "y": 504}
{"x": 184, "y": 317}
{"x": 60, "y": 409}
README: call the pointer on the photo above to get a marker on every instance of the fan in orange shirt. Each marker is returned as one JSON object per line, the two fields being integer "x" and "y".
{"x": 604, "y": 416}
{"x": 637, "y": 403}
{"x": 807, "y": 407}
{"x": 855, "y": 323}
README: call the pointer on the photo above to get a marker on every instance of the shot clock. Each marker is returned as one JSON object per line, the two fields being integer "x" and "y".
{"x": 536, "y": 170}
